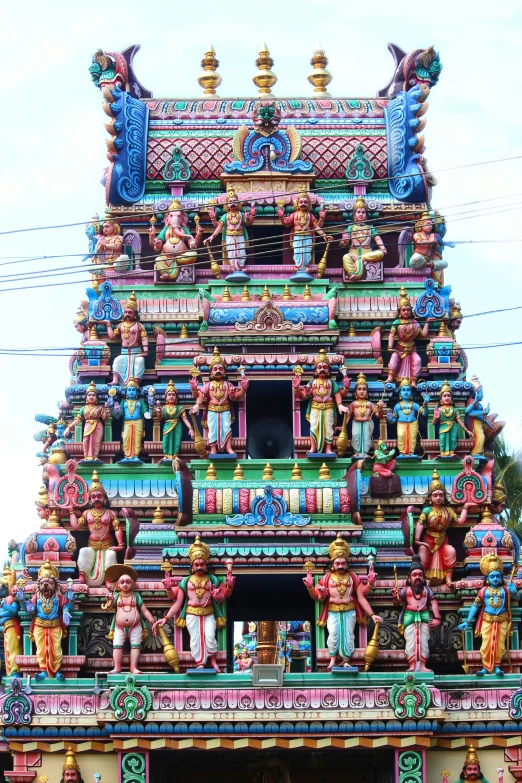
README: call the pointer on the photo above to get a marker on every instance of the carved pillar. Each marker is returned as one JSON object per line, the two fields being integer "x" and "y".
{"x": 74, "y": 627}
{"x": 133, "y": 767}
{"x": 267, "y": 641}
{"x": 410, "y": 766}
{"x": 20, "y": 772}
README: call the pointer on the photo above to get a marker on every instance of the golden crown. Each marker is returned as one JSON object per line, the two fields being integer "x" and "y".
{"x": 361, "y": 380}
{"x": 455, "y": 311}
{"x": 48, "y": 570}
{"x": 471, "y": 756}
{"x": 132, "y": 302}
{"x": 171, "y": 387}
{"x": 216, "y": 357}
{"x": 322, "y": 357}
{"x": 70, "y": 761}
{"x": 404, "y": 299}
{"x": 96, "y": 484}
{"x": 436, "y": 483}
{"x": 199, "y": 550}
{"x": 499, "y": 493}
{"x": 91, "y": 388}
{"x": 360, "y": 203}
{"x": 404, "y": 382}
{"x": 490, "y": 563}
{"x": 174, "y": 206}
{"x": 423, "y": 218}
{"x": 475, "y": 382}
{"x": 43, "y": 497}
{"x": 339, "y": 548}
{"x": 445, "y": 388}
{"x": 303, "y": 192}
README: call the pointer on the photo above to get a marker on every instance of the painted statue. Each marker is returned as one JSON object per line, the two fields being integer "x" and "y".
{"x": 383, "y": 461}
{"x": 172, "y": 415}
{"x": 471, "y": 772}
{"x": 303, "y": 228}
{"x": 93, "y": 417}
{"x": 449, "y": 421}
{"x": 71, "y": 769}
{"x": 419, "y": 614}
{"x": 437, "y": 556}
{"x": 197, "y": 605}
{"x": 360, "y": 236}
{"x": 9, "y": 620}
{"x": 128, "y": 622}
{"x": 477, "y": 416}
{"x": 110, "y": 245}
{"x": 51, "y": 612}
{"x": 132, "y": 409}
{"x": 232, "y": 226}
{"x": 176, "y": 243}
{"x": 492, "y": 611}
{"x": 405, "y": 362}
{"x": 324, "y": 395}
{"x": 217, "y": 396}
{"x": 344, "y": 597}
{"x": 406, "y": 414}
{"x": 102, "y": 524}
{"x": 42, "y": 506}
{"x": 92, "y": 232}
{"x": 361, "y": 412}
{"x": 426, "y": 249}
{"x": 134, "y": 345}
{"x": 244, "y": 661}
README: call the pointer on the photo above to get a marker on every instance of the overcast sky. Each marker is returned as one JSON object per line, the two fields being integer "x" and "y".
{"x": 52, "y": 148}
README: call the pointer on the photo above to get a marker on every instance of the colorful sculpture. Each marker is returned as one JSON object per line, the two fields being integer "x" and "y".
{"x": 51, "y": 611}
{"x": 71, "y": 769}
{"x": 426, "y": 249}
{"x": 9, "y": 621}
{"x": 303, "y": 227}
{"x": 217, "y": 396}
{"x": 244, "y": 661}
{"x": 383, "y": 462}
{"x": 133, "y": 410}
{"x": 362, "y": 413}
{"x": 420, "y": 613}
{"x": 129, "y": 618}
{"x": 93, "y": 416}
{"x": 196, "y": 605}
{"x": 232, "y": 226}
{"x": 134, "y": 345}
{"x": 344, "y": 597}
{"x": 478, "y": 417}
{"x": 100, "y": 553}
{"x": 406, "y": 414}
{"x": 176, "y": 243}
{"x": 471, "y": 772}
{"x": 492, "y": 611}
{"x": 172, "y": 413}
{"x": 110, "y": 245}
{"x": 449, "y": 422}
{"x": 360, "y": 236}
{"x": 323, "y": 394}
{"x": 405, "y": 362}
{"x": 42, "y": 506}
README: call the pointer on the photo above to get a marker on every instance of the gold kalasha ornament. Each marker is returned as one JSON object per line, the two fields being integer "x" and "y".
{"x": 209, "y": 78}
{"x": 296, "y": 473}
{"x": 199, "y": 551}
{"x": 157, "y": 517}
{"x": 268, "y": 472}
{"x": 265, "y": 78}
{"x": 324, "y": 472}
{"x": 238, "y": 473}
{"x": 211, "y": 474}
{"x": 320, "y": 78}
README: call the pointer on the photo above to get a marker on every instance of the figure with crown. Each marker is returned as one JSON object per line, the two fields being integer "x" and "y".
{"x": 492, "y": 611}
{"x": 405, "y": 362}
{"x": 362, "y": 412}
{"x": 133, "y": 410}
{"x": 51, "y": 611}
{"x": 343, "y": 595}
{"x": 176, "y": 243}
{"x": 110, "y": 244}
{"x": 426, "y": 250}
{"x": 471, "y": 772}
{"x": 71, "y": 769}
{"x": 9, "y": 621}
{"x": 197, "y": 605}
{"x": 172, "y": 413}
{"x": 42, "y": 506}
{"x": 102, "y": 524}
{"x": 134, "y": 345}
{"x": 232, "y": 226}
{"x": 303, "y": 228}
{"x": 93, "y": 417}
{"x": 406, "y": 414}
{"x": 360, "y": 236}
{"x": 449, "y": 422}
{"x": 217, "y": 396}
{"x": 477, "y": 416}
{"x": 324, "y": 395}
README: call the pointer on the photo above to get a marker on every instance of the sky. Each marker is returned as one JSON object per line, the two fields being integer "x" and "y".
{"x": 52, "y": 153}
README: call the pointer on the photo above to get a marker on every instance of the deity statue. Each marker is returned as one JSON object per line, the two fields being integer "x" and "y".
{"x": 405, "y": 362}
{"x": 94, "y": 416}
{"x": 344, "y": 597}
{"x": 426, "y": 250}
{"x": 9, "y": 620}
{"x": 110, "y": 245}
{"x": 455, "y": 319}
{"x": 217, "y": 396}
{"x": 492, "y": 610}
{"x": 420, "y": 613}
{"x": 383, "y": 462}
{"x": 129, "y": 618}
{"x": 478, "y": 416}
{"x": 437, "y": 556}
{"x": 232, "y": 226}
{"x": 197, "y": 605}
{"x": 303, "y": 227}
{"x": 449, "y": 421}
{"x": 42, "y": 506}
{"x": 176, "y": 243}
{"x": 133, "y": 410}
{"x": 71, "y": 769}
{"x": 134, "y": 345}
{"x": 360, "y": 237}
{"x": 324, "y": 394}
{"x": 172, "y": 413}
{"x": 92, "y": 231}
{"x": 362, "y": 413}
{"x": 471, "y": 772}
{"x": 100, "y": 553}
{"x": 244, "y": 661}
{"x": 406, "y": 413}
{"x": 51, "y": 611}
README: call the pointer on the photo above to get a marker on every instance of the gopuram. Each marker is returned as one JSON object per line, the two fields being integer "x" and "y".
{"x": 270, "y": 520}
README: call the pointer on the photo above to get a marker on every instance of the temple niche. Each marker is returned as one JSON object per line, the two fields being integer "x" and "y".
{"x": 270, "y": 523}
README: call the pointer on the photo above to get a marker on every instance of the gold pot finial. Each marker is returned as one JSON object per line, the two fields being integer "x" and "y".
{"x": 209, "y": 79}
{"x": 320, "y": 78}
{"x": 264, "y": 79}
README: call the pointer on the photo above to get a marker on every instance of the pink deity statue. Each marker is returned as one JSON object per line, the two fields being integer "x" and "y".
{"x": 128, "y": 622}
{"x": 233, "y": 229}
{"x": 176, "y": 243}
{"x": 130, "y": 365}
{"x": 405, "y": 362}
{"x": 93, "y": 416}
{"x": 362, "y": 412}
{"x": 110, "y": 244}
{"x": 244, "y": 661}
{"x": 426, "y": 251}
{"x": 303, "y": 227}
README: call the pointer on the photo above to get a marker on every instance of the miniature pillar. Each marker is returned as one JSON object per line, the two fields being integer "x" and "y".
{"x": 410, "y": 766}
{"x": 133, "y": 767}
{"x": 267, "y": 641}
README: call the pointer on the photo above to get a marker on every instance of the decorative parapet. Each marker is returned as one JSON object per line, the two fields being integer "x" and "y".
{"x": 16, "y": 705}
{"x": 129, "y": 701}
{"x": 410, "y": 700}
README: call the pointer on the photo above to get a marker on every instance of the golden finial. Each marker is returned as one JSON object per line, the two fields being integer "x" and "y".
{"x": 238, "y": 473}
{"x": 324, "y": 472}
{"x": 296, "y": 473}
{"x": 351, "y": 330}
{"x": 209, "y": 79}
{"x": 54, "y": 519}
{"x": 486, "y": 517}
{"x": 320, "y": 78}
{"x": 225, "y": 296}
{"x": 157, "y": 517}
{"x": 264, "y": 79}
{"x": 378, "y": 515}
{"x": 286, "y": 294}
{"x": 93, "y": 334}
{"x": 265, "y": 296}
{"x": 211, "y": 473}
{"x": 184, "y": 332}
{"x": 245, "y": 296}
{"x": 307, "y": 294}
{"x": 443, "y": 332}
{"x": 268, "y": 472}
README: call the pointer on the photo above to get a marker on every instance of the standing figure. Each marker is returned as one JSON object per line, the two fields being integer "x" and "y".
{"x": 244, "y": 661}
{"x": 360, "y": 236}
{"x": 172, "y": 413}
{"x": 426, "y": 252}
{"x": 42, "y": 506}
{"x": 415, "y": 621}
{"x": 449, "y": 421}
{"x": 471, "y": 772}
{"x": 437, "y": 556}
{"x": 303, "y": 227}
{"x": 362, "y": 412}
{"x": 9, "y": 620}
{"x": 492, "y": 611}
{"x": 71, "y": 769}
{"x": 232, "y": 226}
{"x": 176, "y": 243}
{"x": 51, "y": 612}
{"x": 344, "y": 597}
{"x": 129, "y": 618}
{"x": 324, "y": 394}
{"x": 94, "y": 416}
{"x": 477, "y": 416}
{"x": 134, "y": 345}
{"x": 217, "y": 396}
{"x": 405, "y": 362}
{"x": 197, "y": 605}
{"x": 133, "y": 410}
{"x": 103, "y": 524}
{"x": 110, "y": 245}
{"x": 406, "y": 413}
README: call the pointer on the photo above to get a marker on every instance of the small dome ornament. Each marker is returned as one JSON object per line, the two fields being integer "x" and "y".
{"x": 209, "y": 78}
{"x": 320, "y": 78}
{"x": 264, "y": 79}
